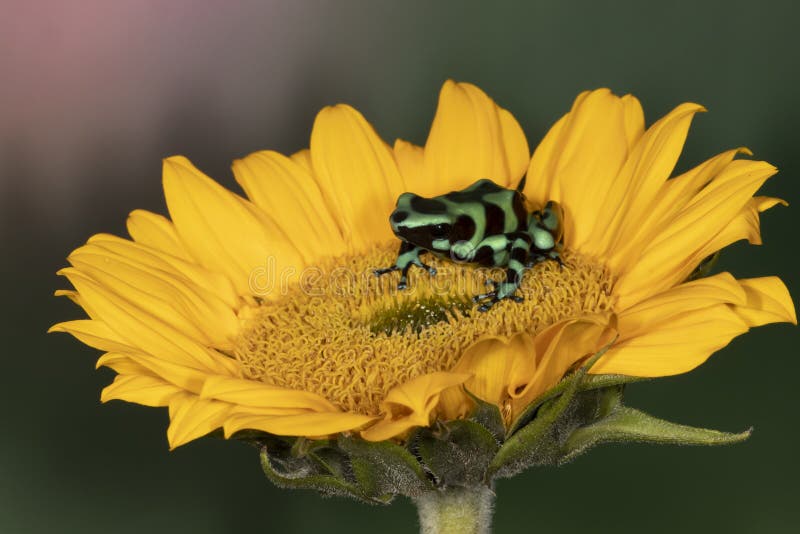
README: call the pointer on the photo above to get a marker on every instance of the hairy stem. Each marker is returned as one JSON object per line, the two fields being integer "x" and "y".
{"x": 456, "y": 511}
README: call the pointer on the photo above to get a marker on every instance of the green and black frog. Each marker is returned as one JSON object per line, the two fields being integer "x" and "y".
{"x": 484, "y": 224}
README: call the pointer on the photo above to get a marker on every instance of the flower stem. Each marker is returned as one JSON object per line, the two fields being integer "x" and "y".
{"x": 456, "y": 511}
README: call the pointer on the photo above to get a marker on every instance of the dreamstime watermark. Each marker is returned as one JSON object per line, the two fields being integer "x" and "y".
{"x": 269, "y": 279}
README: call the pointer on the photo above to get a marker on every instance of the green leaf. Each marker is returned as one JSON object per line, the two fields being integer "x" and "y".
{"x": 630, "y": 425}
{"x": 384, "y": 469}
{"x": 458, "y": 453}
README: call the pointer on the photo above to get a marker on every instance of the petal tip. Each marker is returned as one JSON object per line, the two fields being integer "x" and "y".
{"x": 56, "y": 328}
{"x": 177, "y": 159}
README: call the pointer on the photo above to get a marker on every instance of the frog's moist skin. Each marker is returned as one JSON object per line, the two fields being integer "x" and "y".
{"x": 484, "y": 224}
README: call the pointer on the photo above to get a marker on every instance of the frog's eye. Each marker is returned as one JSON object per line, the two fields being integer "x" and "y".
{"x": 551, "y": 218}
{"x": 438, "y": 231}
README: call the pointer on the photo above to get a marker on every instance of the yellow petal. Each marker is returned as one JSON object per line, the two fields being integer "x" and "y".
{"x": 73, "y": 296}
{"x": 167, "y": 298}
{"x": 670, "y": 258}
{"x": 155, "y": 231}
{"x": 410, "y": 160}
{"x": 578, "y": 163}
{"x": 357, "y": 175}
{"x": 411, "y": 404}
{"x": 645, "y": 171}
{"x": 145, "y": 390}
{"x": 634, "y": 120}
{"x": 746, "y": 225}
{"x": 192, "y": 417}
{"x": 123, "y": 364}
{"x": 185, "y": 377}
{"x": 472, "y": 138}
{"x": 213, "y": 283}
{"x": 679, "y": 191}
{"x": 140, "y": 329}
{"x": 515, "y": 147}
{"x": 768, "y": 301}
{"x": 224, "y": 232}
{"x": 209, "y": 316}
{"x": 674, "y": 346}
{"x": 557, "y": 349}
{"x": 260, "y": 395}
{"x": 93, "y": 333}
{"x": 303, "y": 158}
{"x": 309, "y": 424}
{"x": 721, "y": 288}
{"x": 674, "y": 195}
{"x": 677, "y": 330}
{"x": 541, "y": 181}
{"x": 493, "y": 362}
{"x": 289, "y": 195}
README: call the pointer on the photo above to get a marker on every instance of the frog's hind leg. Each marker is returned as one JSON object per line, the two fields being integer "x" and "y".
{"x": 520, "y": 248}
{"x": 407, "y": 256}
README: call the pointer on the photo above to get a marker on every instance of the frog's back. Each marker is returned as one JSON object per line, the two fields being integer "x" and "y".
{"x": 503, "y": 209}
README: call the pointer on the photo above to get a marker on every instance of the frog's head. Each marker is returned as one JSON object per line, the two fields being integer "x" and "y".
{"x": 429, "y": 223}
{"x": 548, "y": 228}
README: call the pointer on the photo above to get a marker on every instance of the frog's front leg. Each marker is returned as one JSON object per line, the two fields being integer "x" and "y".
{"x": 520, "y": 248}
{"x": 407, "y": 256}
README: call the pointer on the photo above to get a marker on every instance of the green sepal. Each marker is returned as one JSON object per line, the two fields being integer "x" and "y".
{"x": 488, "y": 416}
{"x": 536, "y": 435}
{"x": 286, "y": 471}
{"x": 626, "y": 424}
{"x": 456, "y": 453}
{"x": 588, "y": 383}
{"x": 537, "y": 443}
{"x": 568, "y": 386}
{"x": 604, "y": 381}
{"x": 383, "y": 469}
{"x": 705, "y": 267}
{"x": 578, "y": 413}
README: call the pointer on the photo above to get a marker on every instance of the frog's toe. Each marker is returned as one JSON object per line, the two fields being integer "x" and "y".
{"x": 486, "y": 300}
{"x": 490, "y": 299}
{"x": 431, "y": 270}
{"x": 487, "y": 306}
{"x": 482, "y": 296}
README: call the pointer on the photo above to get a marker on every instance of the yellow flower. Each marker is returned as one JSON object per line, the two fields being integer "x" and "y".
{"x": 261, "y": 313}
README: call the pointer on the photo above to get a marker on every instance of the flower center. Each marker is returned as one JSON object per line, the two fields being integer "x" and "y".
{"x": 349, "y": 336}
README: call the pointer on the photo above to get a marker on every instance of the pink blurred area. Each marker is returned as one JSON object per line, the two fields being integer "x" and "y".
{"x": 81, "y": 76}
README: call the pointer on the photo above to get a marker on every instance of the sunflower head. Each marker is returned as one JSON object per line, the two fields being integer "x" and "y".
{"x": 260, "y": 315}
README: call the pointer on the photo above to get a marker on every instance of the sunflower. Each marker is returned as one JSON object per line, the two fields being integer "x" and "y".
{"x": 261, "y": 312}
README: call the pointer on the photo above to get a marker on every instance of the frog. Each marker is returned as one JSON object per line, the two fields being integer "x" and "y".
{"x": 484, "y": 224}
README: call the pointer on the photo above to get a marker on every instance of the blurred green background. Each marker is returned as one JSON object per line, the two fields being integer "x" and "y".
{"x": 94, "y": 94}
